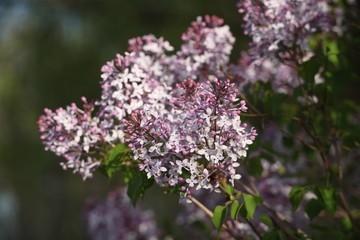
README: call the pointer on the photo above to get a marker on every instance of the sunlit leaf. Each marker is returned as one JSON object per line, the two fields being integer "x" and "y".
{"x": 250, "y": 205}
{"x": 219, "y": 216}
{"x": 234, "y": 210}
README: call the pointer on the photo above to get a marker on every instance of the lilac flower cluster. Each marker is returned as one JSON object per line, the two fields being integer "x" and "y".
{"x": 132, "y": 80}
{"x": 74, "y": 134}
{"x": 117, "y": 219}
{"x": 280, "y": 32}
{"x": 142, "y": 82}
{"x": 197, "y": 142}
{"x": 283, "y": 27}
{"x": 206, "y": 49}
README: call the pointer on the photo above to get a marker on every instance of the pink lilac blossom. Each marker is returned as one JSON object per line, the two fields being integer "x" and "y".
{"x": 197, "y": 142}
{"x": 282, "y": 28}
{"x": 116, "y": 218}
{"x": 149, "y": 53}
{"x": 127, "y": 86}
{"x": 206, "y": 49}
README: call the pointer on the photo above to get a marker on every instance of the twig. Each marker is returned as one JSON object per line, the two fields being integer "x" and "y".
{"x": 209, "y": 213}
{"x": 201, "y": 206}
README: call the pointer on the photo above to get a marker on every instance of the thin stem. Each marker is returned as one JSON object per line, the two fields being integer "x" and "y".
{"x": 201, "y": 206}
{"x": 209, "y": 213}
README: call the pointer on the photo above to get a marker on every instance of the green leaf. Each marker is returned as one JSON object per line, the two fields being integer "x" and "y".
{"x": 250, "y": 205}
{"x": 313, "y": 208}
{"x": 243, "y": 211}
{"x": 258, "y": 199}
{"x": 219, "y": 216}
{"x": 346, "y": 224}
{"x": 137, "y": 186}
{"x": 332, "y": 51}
{"x": 296, "y": 195}
{"x": 266, "y": 220}
{"x": 234, "y": 210}
{"x": 229, "y": 189}
{"x": 114, "y": 162}
{"x": 328, "y": 198}
{"x": 114, "y": 152}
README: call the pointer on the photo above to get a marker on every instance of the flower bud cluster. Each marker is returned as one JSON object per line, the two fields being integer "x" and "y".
{"x": 197, "y": 142}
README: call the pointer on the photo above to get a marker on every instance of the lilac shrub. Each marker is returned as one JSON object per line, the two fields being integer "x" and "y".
{"x": 181, "y": 117}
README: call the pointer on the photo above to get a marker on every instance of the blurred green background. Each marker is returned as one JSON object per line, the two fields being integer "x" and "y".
{"x": 51, "y": 52}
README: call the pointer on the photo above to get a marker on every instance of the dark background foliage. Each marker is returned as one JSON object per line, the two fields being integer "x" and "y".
{"x": 51, "y": 52}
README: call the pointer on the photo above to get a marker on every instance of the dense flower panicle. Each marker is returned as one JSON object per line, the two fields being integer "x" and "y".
{"x": 197, "y": 142}
{"x": 206, "y": 49}
{"x": 282, "y": 26}
{"x": 116, "y": 218}
{"x": 73, "y": 133}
